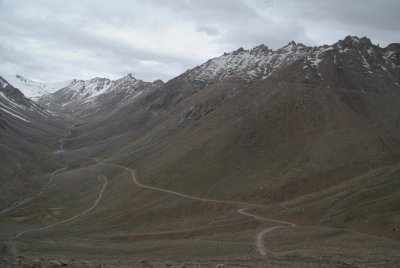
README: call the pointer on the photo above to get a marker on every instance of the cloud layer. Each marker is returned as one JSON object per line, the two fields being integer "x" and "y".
{"x": 53, "y": 40}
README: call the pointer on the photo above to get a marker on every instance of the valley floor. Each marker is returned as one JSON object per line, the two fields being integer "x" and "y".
{"x": 233, "y": 234}
{"x": 97, "y": 213}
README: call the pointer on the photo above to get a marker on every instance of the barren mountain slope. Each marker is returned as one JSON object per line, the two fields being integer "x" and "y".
{"x": 303, "y": 135}
{"x": 313, "y": 123}
{"x": 28, "y": 136}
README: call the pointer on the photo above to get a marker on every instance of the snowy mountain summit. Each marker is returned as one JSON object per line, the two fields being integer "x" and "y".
{"x": 33, "y": 89}
{"x": 262, "y": 62}
{"x": 98, "y": 93}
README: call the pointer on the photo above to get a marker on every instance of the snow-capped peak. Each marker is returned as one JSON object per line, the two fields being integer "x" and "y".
{"x": 86, "y": 89}
{"x": 89, "y": 88}
{"x": 26, "y": 80}
{"x": 3, "y": 83}
{"x": 96, "y": 94}
{"x": 32, "y": 89}
{"x": 258, "y": 62}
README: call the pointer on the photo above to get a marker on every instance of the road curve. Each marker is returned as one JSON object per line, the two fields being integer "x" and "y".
{"x": 58, "y": 152}
{"x": 259, "y": 237}
{"x": 13, "y": 242}
{"x": 100, "y": 196}
{"x": 29, "y": 199}
{"x": 260, "y": 245}
{"x": 137, "y": 183}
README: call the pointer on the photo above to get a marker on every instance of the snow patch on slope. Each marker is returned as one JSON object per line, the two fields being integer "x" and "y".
{"x": 32, "y": 89}
{"x": 13, "y": 114}
{"x": 248, "y": 65}
{"x": 11, "y": 107}
{"x": 98, "y": 94}
{"x": 3, "y": 84}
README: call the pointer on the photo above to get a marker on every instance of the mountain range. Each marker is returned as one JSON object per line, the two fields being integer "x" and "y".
{"x": 282, "y": 157}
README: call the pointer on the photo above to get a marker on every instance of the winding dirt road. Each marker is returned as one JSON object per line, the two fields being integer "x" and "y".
{"x": 135, "y": 181}
{"x": 29, "y": 199}
{"x": 100, "y": 196}
{"x": 13, "y": 242}
{"x": 260, "y": 245}
{"x": 242, "y": 211}
{"x": 59, "y": 152}
{"x": 259, "y": 239}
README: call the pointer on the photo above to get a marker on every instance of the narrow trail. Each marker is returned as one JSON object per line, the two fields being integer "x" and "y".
{"x": 59, "y": 152}
{"x": 30, "y": 198}
{"x": 13, "y": 242}
{"x": 259, "y": 238}
{"x": 100, "y": 196}
{"x": 137, "y": 183}
{"x": 242, "y": 211}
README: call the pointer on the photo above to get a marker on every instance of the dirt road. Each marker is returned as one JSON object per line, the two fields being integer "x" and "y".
{"x": 13, "y": 242}
{"x": 259, "y": 239}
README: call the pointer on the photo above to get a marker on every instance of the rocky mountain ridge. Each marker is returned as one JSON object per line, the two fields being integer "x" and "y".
{"x": 82, "y": 96}
{"x": 261, "y": 62}
{"x": 33, "y": 89}
{"x": 244, "y": 66}
{"x": 15, "y": 105}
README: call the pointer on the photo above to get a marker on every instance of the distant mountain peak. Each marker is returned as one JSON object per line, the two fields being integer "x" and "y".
{"x": 12, "y": 94}
{"x": 261, "y": 49}
{"x": 355, "y": 42}
{"x": 32, "y": 89}
{"x": 99, "y": 93}
{"x": 238, "y": 51}
{"x": 393, "y": 47}
{"x": 260, "y": 62}
{"x": 158, "y": 82}
{"x": 20, "y": 77}
{"x": 130, "y": 76}
{"x": 3, "y": 83}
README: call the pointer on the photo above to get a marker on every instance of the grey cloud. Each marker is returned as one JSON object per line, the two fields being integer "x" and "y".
{"x": 54, "y": 39}
{"x": 65, "y": 35}
{"x": 210, "y": 30}
{"x": 371, "y": 13}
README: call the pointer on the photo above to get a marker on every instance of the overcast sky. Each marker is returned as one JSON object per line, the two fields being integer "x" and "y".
{"x": 54, "y": 40}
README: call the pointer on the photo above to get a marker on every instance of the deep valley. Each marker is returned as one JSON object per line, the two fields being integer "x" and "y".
{"x": 256, "y": 158}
